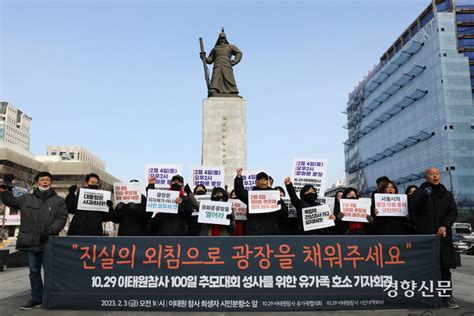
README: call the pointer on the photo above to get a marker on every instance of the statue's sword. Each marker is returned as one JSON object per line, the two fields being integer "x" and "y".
{"x": 206, "y": 71}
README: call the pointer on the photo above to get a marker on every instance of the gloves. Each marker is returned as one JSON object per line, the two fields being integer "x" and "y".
{"x": 187, "y": 189}
{"x": 340, "y": 215}
{"x": 230, "y": 216}
{"x": 8, "y": 178}
{"x": 72, "y": 189}
{"x": 44, "y": 236}
{"x": 7, "y": 181}
{"x": 109, "y": 203}
{"x": 370, "y": 218}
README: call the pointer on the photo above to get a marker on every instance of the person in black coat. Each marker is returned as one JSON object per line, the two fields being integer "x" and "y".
{"x": 259, "y": 224}
{"x": 164, "y": 224}
{"x": 352, "y": 228}
{"x": 43, "y": 214}
{"x": 435, "y": 212}
{"x": 131, "y": 217}
{"x": 308, "y": 197}
{"x": 389, "y": 225}
{"x": 86, "y": 223}
{"x": 288, "y": 225}
{"x": 194, "y": 228}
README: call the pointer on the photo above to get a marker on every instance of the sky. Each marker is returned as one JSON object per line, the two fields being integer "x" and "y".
{"x": 123, "y": 78}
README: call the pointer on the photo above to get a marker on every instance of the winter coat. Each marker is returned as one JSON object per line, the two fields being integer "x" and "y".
{"x": 299, "y": 205}
{"x": 388, "y": 225}
{"x": 39, "y": 213}
{"x": 164, "y": 224}
{"x": 132, "y": 218}
{"x": 260, "y": 224}
{"x": 85, "y": 223}
{"x": 431, "y": 211}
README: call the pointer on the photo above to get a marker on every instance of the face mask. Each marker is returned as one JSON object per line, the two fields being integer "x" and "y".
{"x": 218, "y": 198}
{"x": 93, "y": 187}
{"x": 200, "y": 192}
{"x": 176, "y": 187}
{"x": 310, "y": 197}
{"x": 352, "y": 198}
{"x": 43, "y": 189}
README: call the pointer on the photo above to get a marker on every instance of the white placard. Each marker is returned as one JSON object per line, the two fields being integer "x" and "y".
{"x": 209, "y": 177}
{"x": 200, "y": 198}
{"x": 240, "y": 209}
{"x": 264, "y": 201}
{"x": 309, "y": 171}
{"x": 127, "y": 192}
{"x": 162, "y": 174}
{"x": 213, "y": 212}
{"x": 328, "y": 200}
{"x": 391, "y": 204}
{"x": 93, "y": 200}
{"x": 292, "y": 213}
{"x": 162, "y": 201}
{"x": 355, "y": 210}
{"x": 317, "y": 217}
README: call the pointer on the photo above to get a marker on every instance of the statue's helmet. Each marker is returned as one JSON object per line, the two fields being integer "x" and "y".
{"x": 222, "y": 36}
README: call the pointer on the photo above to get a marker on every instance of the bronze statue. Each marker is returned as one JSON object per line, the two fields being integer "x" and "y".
{"x": 222, "y": 83}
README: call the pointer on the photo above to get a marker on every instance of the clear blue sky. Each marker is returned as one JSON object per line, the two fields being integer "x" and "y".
{"x": 124, "y": 79}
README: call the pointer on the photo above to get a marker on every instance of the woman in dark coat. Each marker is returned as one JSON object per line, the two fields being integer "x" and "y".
{"x": 352, "y": 228}
{"x": 308, "y": 198}
{"x": 389, "y": 225}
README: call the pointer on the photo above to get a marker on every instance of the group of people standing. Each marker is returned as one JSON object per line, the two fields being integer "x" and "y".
{"x": 432, "y": 210}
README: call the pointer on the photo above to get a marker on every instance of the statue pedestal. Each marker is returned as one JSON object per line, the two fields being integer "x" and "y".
{"x": 224, "y": 135}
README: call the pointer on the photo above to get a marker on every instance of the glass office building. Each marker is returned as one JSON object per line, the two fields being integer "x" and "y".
{"x": 415, "y": 108}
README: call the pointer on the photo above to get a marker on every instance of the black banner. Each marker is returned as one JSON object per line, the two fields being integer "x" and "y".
{"x": 261, "y": 273}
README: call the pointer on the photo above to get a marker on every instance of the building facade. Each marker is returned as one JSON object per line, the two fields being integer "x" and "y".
{"x": 72, "y": 152}
{"x": 14, "y": 126}
{"x": 415, "y": 108}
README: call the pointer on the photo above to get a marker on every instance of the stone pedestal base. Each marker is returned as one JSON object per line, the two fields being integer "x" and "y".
{"x": 224, "y": 135}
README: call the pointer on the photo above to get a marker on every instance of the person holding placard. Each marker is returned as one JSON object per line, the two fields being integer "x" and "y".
{"x": 219, "y": 195}
{"x": 85, "y": 222}
{"x": 165, "y": 224}
{"x": 263, "y": 223}
{"x": 288, "y": 225}
{"x": 308, "y": 198}
{"x": 389, "y": 225}
{"x": 43, "y": 214}
{"x": 194, "y": 228}
{"x": 240, "y": 225}
{"x": 351, "y": 227}
{"x": 131, "y": 217}
{"x": 435, "y": 213}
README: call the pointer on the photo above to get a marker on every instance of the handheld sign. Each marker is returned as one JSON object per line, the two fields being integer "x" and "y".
{"x": 391, "y": 204}
{"x": 162, "y": 201}
{"x": 93, "y": 200}
{"x": 212, "y": 212}
{"x": 327, "y": 200}
{"x": 240, "y": 209}
{"x": 309, "y": 171}
{"x": 200, "y": 198}
{"x": 210, "y": 177}
{"x": 265, "y": 201}
{"x": 355, "y": 210}
{"x": 292, "y": 213}
{"x": 317, "y": 217}
{"x": 162, "y": 174}
{"x": 127, "y": 192}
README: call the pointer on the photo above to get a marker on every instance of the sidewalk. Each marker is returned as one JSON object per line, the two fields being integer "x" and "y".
{"x": 14, "y": 292}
